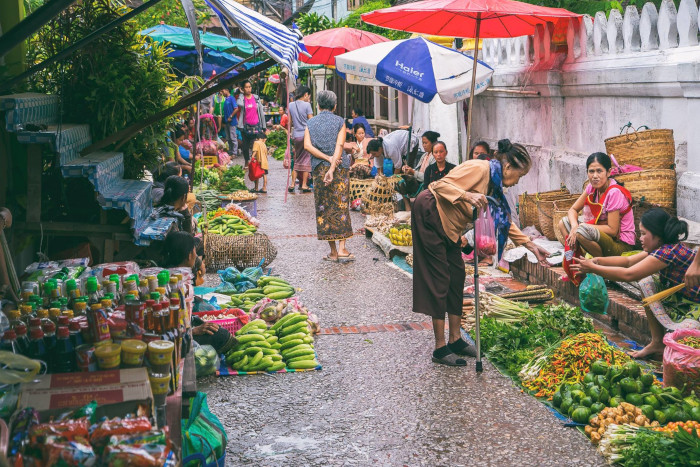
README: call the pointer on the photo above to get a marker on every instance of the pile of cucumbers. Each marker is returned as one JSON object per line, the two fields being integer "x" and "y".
{"x": 230, "y": 225}
{"x": 272, "y": 287}
{"x": 287, "y": 343}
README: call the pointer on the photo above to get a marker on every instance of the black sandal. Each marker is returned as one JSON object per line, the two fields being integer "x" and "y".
{"x": 291, "y": 190}
{"x": 460, "y": 347}
{"x": 450, "y": 360}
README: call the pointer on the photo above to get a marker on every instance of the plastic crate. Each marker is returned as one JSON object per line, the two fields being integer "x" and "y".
{"x": 230, "y": 324}
{"x": 210, "y": 160}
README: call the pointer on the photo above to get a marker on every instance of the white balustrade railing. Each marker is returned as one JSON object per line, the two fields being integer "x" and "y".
{"x": 601, "y": 36}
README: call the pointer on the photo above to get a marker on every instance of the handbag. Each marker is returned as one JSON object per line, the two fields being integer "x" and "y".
{"x": 255, "y": 171}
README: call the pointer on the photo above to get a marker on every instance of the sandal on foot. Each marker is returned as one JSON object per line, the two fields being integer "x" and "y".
{"x": 262, "y": 191}
{"x": 346, "y": 258}
{"x": 330, "y": 258}
{"x": 291, "y": 190}
{"x": 460, "y": 347}
{"x": 306, "y": 190}
{"x": 450, "y": 360}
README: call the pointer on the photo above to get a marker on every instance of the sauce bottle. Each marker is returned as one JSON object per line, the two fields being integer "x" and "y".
{"x": 97, "y": 322}
{"x": 37, "y": 347}
{"x": 64, "y": 352}
{"x": 14, "y": 317}
{"x": 76, "y": 337}
{"x": 9, "y": 342}
{"x": 22, "y": 339}
{"x": 49, "y": 337}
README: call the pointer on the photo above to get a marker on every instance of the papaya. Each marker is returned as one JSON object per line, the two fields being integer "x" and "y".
{"x": 581, "y": 415}
{"x": 599, "y": 367}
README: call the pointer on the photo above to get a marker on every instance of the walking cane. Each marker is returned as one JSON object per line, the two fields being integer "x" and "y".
{"x": 479, "y": 367}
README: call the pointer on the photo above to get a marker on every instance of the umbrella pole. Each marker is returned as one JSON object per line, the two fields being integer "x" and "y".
{"x": 477, "y": 328}
{"x": 471, "y": 98}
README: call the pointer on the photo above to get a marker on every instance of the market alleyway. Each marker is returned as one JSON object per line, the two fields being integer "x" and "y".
{"x": 379, "y": 400}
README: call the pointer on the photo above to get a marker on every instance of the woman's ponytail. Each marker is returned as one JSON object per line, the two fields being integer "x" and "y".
{"x": 661, "y": 224}
{"x": 675, "y": 230}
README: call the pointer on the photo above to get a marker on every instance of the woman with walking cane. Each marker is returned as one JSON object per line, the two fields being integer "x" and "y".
{"x": 440, "y": 217}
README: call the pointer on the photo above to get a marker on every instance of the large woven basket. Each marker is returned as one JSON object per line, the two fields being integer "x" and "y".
{"x": 545, "y": 214}
{"x": 657, "y": 186}
{"x": 527, "y": 205}
{"x": 380, "y": 195}
{"x": 649, "y": 149}
{"x": 561, "y": 210}
{"x": 239, "y": 251}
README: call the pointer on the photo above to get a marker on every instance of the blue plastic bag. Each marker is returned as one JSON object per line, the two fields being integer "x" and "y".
{"x": 593, "y": 295}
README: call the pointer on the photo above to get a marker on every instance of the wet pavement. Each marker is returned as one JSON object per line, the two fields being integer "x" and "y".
{"x": 379, "y": 399}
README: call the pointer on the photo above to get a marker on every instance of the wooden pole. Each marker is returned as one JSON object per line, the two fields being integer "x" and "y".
{"x": 470, "y": 110}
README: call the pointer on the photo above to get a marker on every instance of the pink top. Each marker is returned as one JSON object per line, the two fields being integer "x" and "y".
{"x": 251, "y": 110}
{"x": 616, "y": 201}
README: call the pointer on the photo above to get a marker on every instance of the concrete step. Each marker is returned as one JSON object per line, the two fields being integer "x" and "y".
{"x": 103, "y": 169}
{"x": 67, "y": 141}
{"x": 21, "y": 109}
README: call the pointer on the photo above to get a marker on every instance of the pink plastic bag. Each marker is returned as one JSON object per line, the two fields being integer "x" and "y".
{"x": 681, "y": 362}
{"x": 622, "y": 169}
{"x": 485, "y": 233}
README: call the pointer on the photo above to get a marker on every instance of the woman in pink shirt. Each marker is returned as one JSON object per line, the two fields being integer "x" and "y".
{"x": 251, "y": 120}
{"x": 607, "y": 224}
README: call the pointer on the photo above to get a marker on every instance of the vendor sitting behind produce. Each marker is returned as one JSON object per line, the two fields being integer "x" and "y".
{"x": 661, "y": 236}
{"x": 608, "y": 221}
{"x": 173, "y": 203}
{"x": 179, "y": 250}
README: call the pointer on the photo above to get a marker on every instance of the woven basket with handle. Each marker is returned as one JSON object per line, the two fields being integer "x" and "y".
{"x": 657, "y": 186}
{"x": 561, "y": 210}
{"x": 545, "y": 213}
{"x": 527, "y": 203}
{"x": 379, "y": 196}
{"x": 649, "y": 149}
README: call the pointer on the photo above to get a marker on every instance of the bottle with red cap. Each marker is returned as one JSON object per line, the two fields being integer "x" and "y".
{"x": 37, "y": 347}
{"x": 34, "y": 323}
{"x": 9, "y": 342}
{"x": 49, "y": 336}
{"x": 76, "y": 336}
{"x": 64, "y": 352}
{"x": 22, "y": 339}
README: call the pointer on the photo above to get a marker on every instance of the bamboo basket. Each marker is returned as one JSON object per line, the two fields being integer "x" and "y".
{"x": 545, "y": 214}
{"x": 527, "y": 203}
{"x": 378, "y": 198}
{"x": 649, "y": 149}
{"x": 239, "y": 251}
{"x": 657, "y": 186}
{"x": 561, "y": 210}
{"x": 359, "y": 186}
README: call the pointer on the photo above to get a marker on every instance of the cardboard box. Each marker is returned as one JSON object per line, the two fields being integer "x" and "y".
{"x": 117, "y": 392}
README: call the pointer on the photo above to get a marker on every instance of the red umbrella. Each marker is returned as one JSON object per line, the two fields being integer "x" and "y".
{"x": 468, "y": 18}
{"x": 325, "y": 45}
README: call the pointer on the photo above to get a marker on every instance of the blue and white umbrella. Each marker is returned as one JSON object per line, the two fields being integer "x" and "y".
{"x": 417, "y": 67}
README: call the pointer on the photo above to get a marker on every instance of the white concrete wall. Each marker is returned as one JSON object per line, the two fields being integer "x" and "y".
{"x": 640, "y": 68}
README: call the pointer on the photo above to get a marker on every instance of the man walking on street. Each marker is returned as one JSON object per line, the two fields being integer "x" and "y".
{"x": 231, "y": 111}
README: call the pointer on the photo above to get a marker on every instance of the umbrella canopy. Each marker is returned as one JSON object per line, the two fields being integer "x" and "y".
{"x": 325, "y": 45}
{"x": 460, "y": 18}
{"x": 182, "y": 37}
{"x": 417, "y": 67}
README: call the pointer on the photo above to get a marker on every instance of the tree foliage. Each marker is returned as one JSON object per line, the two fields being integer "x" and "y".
{"x": 117, "y": 80}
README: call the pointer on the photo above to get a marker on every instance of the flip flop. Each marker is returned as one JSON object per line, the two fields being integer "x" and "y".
{"x": 291, "y": 190}
{"x": 329, "y": 258}
{"x": 306, "y": 190}
{"x": 346, "y": 258}
{"x": 450, "y": 360}
{"x": 262, "y": 191}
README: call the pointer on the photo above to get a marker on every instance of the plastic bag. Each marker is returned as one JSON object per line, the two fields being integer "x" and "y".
{"x": 593, "y": 295}
{"x": 202, "y": 434}
{"x": 681, "y": 362}
{"x": 206, "y": 360}
{"x": 485, "y": 231}
{"x": 569, "y": 255}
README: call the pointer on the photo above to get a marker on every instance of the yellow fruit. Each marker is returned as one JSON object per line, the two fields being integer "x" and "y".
{"x": 393, "y": 231}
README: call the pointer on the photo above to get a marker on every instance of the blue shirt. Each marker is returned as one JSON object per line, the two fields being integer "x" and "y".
{"x": 184, "y": 153}
{"x": 229, "y": 107}
{"x": 368, "y": 128}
